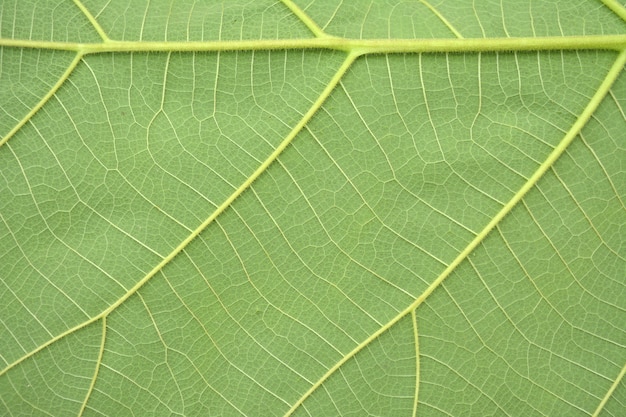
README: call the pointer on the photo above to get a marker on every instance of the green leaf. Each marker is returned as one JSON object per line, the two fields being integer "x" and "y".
{"x": 391, "y": 208}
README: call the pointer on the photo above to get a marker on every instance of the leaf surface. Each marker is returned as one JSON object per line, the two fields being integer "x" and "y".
{"x": 394, "y": 208}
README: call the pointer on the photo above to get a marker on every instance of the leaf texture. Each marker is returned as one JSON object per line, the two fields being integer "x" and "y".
{"x": 389, "y": 208}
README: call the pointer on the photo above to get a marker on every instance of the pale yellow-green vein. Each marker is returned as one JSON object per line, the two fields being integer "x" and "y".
{"x": 97, "y": 367}
{"x": 417, "y": 362}
{"x": 571, "y": 134}
{"x": 362, "y": 46}
{"x": 304, "y": 18}
{"x": 616, "y": 8}
{"x": 44, "y": 99}
{"x": 92, "y": 20}
{"x": 219, "y": 210}
{"x": 443, "y": 19}
{"x": 610, "y": 392}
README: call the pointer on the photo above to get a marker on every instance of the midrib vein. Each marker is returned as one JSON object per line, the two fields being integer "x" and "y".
{"x": 359, "y": 46}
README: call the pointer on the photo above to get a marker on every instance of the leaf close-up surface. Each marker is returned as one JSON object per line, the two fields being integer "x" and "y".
{"x": 312, "y": 208}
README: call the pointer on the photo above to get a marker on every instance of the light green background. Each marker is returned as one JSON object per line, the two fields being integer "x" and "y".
{"x": 318, "y": 289}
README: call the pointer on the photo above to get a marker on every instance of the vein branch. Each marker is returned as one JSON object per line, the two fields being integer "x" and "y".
{"x": 616, "y": 8}
{"x": 574, "y": 131}
{"x": 66, "y": 74}
{"x": 609, "y": 393}
{"x": 443, "y": 19}
{"x": 97, "y": 368}
{"x": 569, "y": 137}
{"x": 92, "y": 20}
{"x": 300, "y": 14}
{"x": 262, "y": 168}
